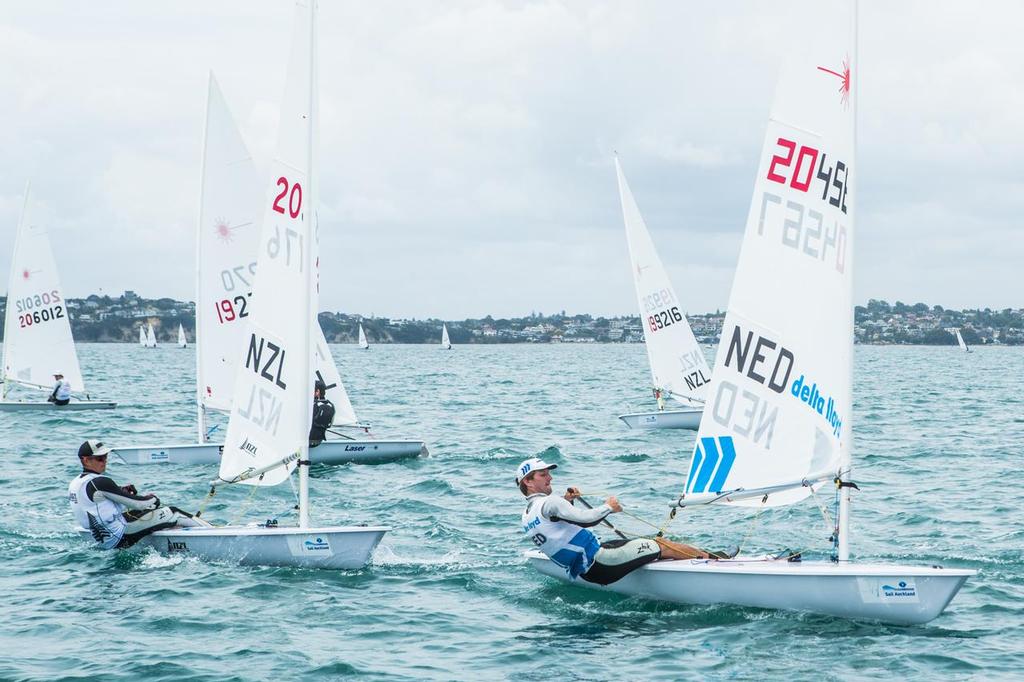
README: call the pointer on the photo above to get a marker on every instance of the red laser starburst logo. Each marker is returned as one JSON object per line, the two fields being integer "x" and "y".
{"x": 844, "y": 77}
{"x": 223, "y": 230}
{"x": 25, "y": 274}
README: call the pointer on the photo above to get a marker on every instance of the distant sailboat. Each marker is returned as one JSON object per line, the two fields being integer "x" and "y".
{"x": 363, "y": 343}
{"x": 446, "y": 343}
{"x": 37, "y": 334}
{"x": 678, "y": 368}
{"x": 142, "y": 335}
{"x": 182, "y": 341}
{"x": 961, "y": 342}
{"x": 778, "y": 415}
{"x": 150, "y": 337}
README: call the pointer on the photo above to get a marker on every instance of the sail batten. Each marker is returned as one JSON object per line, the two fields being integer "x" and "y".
{"x": 782, "y": 381}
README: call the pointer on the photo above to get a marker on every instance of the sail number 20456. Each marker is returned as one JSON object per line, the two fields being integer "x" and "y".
{"x": 834, "y": 178}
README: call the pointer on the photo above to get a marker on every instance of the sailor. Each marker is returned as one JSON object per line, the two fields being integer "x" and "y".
{"x": 560, "y": 531}
{"x": 61, "y": 394}
{"x": 661, "y": 400}
{"x": 117, "y": 515}
{"x": 323, "y": 414}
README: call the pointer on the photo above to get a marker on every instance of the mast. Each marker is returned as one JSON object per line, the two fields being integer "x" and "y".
{"x": 312, "y": 261}
{"x": 200, "y": 407}
{"x": 9, "y": 314}
{"x": 845, "y": 458}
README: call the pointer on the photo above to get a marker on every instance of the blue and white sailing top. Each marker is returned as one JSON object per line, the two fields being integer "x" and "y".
{"x": 560, "y": 531}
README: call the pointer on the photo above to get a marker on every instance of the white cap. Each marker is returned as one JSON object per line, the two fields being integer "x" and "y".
{"x": 531, "y": 465}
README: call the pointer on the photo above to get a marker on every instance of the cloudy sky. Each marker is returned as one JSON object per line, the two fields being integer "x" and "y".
{"x": 466, "y": 151}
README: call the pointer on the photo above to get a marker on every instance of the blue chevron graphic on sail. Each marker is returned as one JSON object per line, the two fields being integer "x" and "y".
{"x": 710, "y": 460}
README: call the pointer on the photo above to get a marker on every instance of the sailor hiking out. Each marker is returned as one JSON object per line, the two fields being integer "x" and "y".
{"x": 560, "y": 530}
{"x": 117, "y": 516}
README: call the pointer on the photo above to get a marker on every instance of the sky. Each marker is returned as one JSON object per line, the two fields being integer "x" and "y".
{"x": 466, "y": 151}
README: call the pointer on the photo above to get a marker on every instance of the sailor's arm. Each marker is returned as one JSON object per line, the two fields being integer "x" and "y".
{"x": 103, "y": 488}
{"x": 559, "y": 509}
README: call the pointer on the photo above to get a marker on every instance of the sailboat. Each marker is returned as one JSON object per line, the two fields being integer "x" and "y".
{"x": 37, "y": 333}
{"x": 363, "y": 343}
{"x": 182, "y": 341}
{"x": 781, "y": 393}
{"x": 446, "y": 343}
{"x": 142, "y": 335}
{"x": 227, "y": 243}
{"x": 271, "y": 407}
{"x": 150, "y": 336}
{"x": 678, "y": 368}
{"x": 960, "y": 341}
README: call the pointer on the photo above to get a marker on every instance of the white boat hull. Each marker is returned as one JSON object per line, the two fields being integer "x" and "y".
{"x": 681, "y": 418}
{"x": 73, "y": 406}
{"x": 335, "y": 547}
{"x": 905, "y": 595}
{"x": 331, "y": 452}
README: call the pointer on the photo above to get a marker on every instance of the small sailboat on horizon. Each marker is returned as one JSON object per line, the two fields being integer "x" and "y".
{"x": 446, "y": 343}
{"x": 363, "y": 343}
{"x": 182, "y": 341}
{"x": 960, "y": 342}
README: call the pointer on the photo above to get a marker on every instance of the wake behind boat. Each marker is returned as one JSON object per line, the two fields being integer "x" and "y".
{"x": 782, "y": 382}
{"x": 38, "y": 343}
{"x": 678, "y": 368}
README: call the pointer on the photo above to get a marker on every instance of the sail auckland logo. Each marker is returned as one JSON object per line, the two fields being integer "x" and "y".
{"x": 900, "y": 589}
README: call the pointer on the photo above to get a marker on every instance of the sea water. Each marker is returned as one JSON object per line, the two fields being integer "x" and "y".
{"x": 938, "y": 453}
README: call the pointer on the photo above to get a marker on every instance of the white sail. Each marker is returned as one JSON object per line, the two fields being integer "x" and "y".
{"x": 150, "y": 336}
{"x": 961, "y": 342}
{"x": 327, "y": 371}
{"x": 182, "y": 341}
{"x": 445, "y": 341}
{"x": 271, "y": 410}
{"x": 363, "y": 343}
{"x": 227, "y": 241}
{"x": 678, "y": 367}
{"x": 142, "y": 335}
{"x": 780, "y": 405}
{"x": 37, "y": 333}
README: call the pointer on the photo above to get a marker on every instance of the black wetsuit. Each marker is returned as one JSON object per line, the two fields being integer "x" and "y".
{"x": 323, "y": 417}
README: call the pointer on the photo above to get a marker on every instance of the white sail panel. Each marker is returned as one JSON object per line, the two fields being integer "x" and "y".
{"x": 780, "y": 405}
{"x": 228, "y": 239}
{"x": 182, "y": 342}
{"x": 960, "y": 341}
{"x": 363, "y": 343}
{"x": 445, "y": 341}
{"x": 273, "y": 392}
{"x": 37, "y": 333}
{"x": 678, "y": 367}
{"x": 150, "y": 336}
{"x": 142, "y": 336}
{"x": 327, "y": 371}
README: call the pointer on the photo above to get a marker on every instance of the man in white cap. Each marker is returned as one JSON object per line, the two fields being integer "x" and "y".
{"x": 61, "y": 391}
{"x": 117, "y": 515}
{"x": 560, "y": 531}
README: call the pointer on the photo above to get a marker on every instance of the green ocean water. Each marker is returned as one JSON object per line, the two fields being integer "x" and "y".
{"x": 939, "y": 443}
